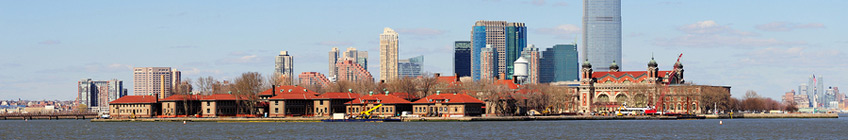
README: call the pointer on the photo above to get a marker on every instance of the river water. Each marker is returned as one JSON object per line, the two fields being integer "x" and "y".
{"x": 577, "y": 129}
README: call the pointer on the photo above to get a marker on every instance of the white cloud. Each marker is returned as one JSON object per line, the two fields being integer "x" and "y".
{"x": 786, "y": 26}
{"x": 562, "y": 31}
{"x": 709, "y": 33}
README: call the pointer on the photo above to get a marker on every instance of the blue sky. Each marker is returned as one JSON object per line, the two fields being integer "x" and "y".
{"x": 46, "y": 47}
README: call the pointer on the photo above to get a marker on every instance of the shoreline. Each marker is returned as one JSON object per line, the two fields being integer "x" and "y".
{"x": 468, "y": 119}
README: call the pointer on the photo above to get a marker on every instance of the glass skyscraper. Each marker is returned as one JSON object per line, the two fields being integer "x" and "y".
{"x": 601, "y": 32}
{"x": 559, "y": 63}
{"x": 507, "y": 39}
{"x": 462, "y": 58}
{"x": 411, "y": 67}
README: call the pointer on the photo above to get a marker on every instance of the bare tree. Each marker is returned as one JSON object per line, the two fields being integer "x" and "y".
{"x": 246, "y": 87}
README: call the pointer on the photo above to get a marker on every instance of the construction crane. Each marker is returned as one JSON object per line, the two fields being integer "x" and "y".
{"x": 661, "y": 101}
{"x": 367, "y": 113}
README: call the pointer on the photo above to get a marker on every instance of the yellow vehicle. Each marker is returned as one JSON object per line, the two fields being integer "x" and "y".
{"x": 367, "y": 114}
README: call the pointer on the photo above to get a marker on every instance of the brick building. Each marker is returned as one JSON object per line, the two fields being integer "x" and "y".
{"x": 142, "y": 106}
{"x": 392, "y": 105}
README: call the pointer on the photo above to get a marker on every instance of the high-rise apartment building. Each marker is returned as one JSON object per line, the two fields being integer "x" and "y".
{"x": 601, "y": 32}
{"x": 507, "y": 40}
{"x": 97, "y": 94}
{"x": 531, "y": 54}
{"x": 285, "y": 66}
{"x": 462, "y": 58}
{"x": 487, "y": 63}
{"x": 388, "y": 54}
{"x": 411, "y": 67}
{"x": 559, "y": 63}
{"x": 154, "y": 81}
{"x": 358, "y": 57}
{"x": 313, "y": 79}
{"x": 334, "y": 58}
{"x": 350, "y": 71}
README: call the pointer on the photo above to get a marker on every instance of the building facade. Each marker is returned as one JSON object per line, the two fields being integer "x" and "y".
{"x": 284, "y": 66}
{"x": 487, "y": 63}
{"x": 601, "y": 32}
{"x": 358, "y": 57}
{"x": 350, "y": 71}
{"x": 531, "y": 54}
{"x": 559, "y": 63}
{"x": 388, "y": 55}
{"x": 446, "y": 105}
{"x": 313, "y": 79}
{"x": 156, "y": 81}
{"x": 137, "y": 106}
{"x": 334, "y": 58}
{"x": 507, "y": 40}
{"x": 462, "y": 58}
{"x": 97, "y": 94}
{"x": 410, "y": 67}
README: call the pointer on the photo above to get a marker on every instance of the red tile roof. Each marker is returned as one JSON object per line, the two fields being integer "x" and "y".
{"x": 338, "y": 95}
{"x": 293, "y": 97}
{"x": 448, "y": 98}
{"x": 135, "y": 99}
{"x": 182, "y": 97}
{"x": 382, "y": 98}
{"x": 223, "y": 97}
{"x": 508, "y": 83}
{"x": 286, "y": 89}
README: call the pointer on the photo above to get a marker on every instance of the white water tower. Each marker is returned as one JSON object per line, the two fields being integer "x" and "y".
{"x": 520, "y": 69}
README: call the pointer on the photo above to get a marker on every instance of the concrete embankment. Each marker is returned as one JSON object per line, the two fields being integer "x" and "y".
{"x": 765, "y": 116}
{"x": 499, "y": 118}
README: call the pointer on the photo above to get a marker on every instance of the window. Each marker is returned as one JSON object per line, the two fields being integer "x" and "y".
{"x": 208, "y": 103}
{"x": 321, "y": 102}
{"x": 276, "y": 102}
{"x": 276, "y": 110}
{"x": 208, "y": 110}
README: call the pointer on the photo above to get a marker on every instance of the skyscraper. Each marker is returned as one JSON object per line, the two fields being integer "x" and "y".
{"x": 285, "y": 67}
{"x": 462, "y": 58}
{"x": 487, "y": 63}
{"x": 531, "y": 54}
{"x": 334, "y": 58}
{"x": 411, "y": 67}
{"x": 559, "y": 63}
{"x": 97, "y": 94}
{"x": 350, "y": 71}
{"x": 153, "y": 81}
{"x": 601, "y": 32}
{"x": 388, "y": 54}
{"x": 358, "y": 57}
{"x": 507, "y": 41}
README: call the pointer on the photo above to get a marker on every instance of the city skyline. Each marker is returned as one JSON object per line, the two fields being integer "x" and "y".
{"x": 769, "y": 54}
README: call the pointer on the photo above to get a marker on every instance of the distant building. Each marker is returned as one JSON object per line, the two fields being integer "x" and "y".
{"x": 462, "y": 58}
{"x": 487, "y": 63}
{"x": 388, "y": 54}
{"x": 154, "y": 81}
{"x": 358, "y": 57}
{"x": 334, "y": 58}
{"x": 507, "y": 39}
{"x": 350, "y": 71}
{"x": 97, "y": 94}
{"x": 559, "y": 63}
{"x": 136, "y": 106}
{"x": 284, "y": 66}
{"x": 531, "y": 54}
{"x": 601, "y": 32}
{"x": 313, "y": 79}
{"x": 411, "y": 67}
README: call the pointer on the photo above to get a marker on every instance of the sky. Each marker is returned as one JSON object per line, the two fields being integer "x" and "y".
{"x": 769, "y": 47}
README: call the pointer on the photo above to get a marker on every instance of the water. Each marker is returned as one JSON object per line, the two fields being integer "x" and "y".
{"x": 582, "y": 129}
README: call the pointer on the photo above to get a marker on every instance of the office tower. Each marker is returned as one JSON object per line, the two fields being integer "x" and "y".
{"x": 411, "y": 67}
{"x": 601, "y": 32}
{"x": 462, "y": 58}
{"x": 362, "y": 59}
{"x": 388, "y": 54}
{"x": 559, "y": 63}
{"x": 487, "y": 63}
{"x": 350, "y": 71}
{"x": 97, "y": 94}
{"x": 153, "y": 81}
{"x": 334, "y": 58}
{"x": 285, "y": 67}
{"x": 507, "y": 40}
{"x": 531, "y": 54}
